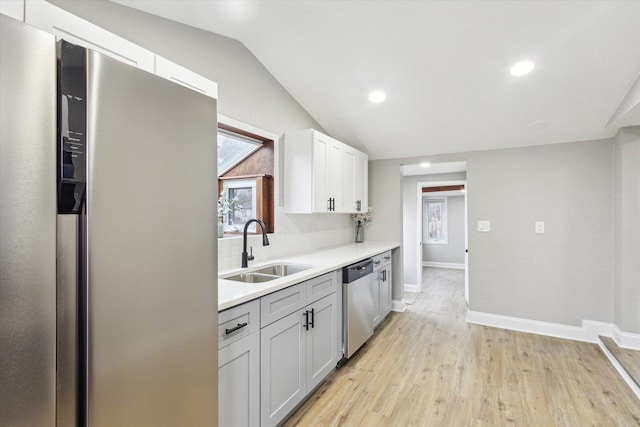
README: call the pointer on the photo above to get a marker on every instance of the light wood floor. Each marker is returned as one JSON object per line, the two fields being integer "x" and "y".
{"x": 428, "y": 367}
{"x": 628, "y": 359}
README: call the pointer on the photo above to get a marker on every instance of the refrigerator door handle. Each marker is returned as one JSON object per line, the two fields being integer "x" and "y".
{"x": 67, "y": 319}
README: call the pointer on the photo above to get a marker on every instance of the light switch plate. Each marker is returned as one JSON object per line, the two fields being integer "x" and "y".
{"x": 484, "y": 226}
{"x": 540, "y": 227}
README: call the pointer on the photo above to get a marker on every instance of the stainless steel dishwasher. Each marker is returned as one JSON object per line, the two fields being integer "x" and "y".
{"x": 357, "y": 282}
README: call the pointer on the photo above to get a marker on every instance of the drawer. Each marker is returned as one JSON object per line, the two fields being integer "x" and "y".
{"x": 279, "y": 304}
{"x": 238, "y": 322}
{"x": 386, "y": 258}
{"x": 320, "y": 287}
{"x": 377, "y": 262}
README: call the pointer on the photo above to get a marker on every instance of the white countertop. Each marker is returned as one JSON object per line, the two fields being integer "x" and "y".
{"x": 232, "y": 293}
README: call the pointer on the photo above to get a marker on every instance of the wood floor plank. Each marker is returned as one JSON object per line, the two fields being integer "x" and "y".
{"x": 428, "y": 367}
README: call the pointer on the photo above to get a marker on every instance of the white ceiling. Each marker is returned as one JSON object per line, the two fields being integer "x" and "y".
{"x": 443, "y": 65}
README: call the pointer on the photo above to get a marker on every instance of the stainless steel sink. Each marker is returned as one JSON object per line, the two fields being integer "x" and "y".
{"x": 252, "y": 277}
{"x": 283, "y": 269}
{"x": 266, "y": 274}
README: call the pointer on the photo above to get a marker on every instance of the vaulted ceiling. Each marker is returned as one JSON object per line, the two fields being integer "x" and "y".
{"x": 443, "y": 65}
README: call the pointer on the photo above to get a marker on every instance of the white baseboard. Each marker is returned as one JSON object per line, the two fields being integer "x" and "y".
{"x": 588, "y": 332}
{"x": 621, "y": 371}
{"x": 398, "y": 306}
{"x": 626, "y": 340}
{"x": 443, "y": 265}
{"x": 411, "y": 288}
{"x": 531, "y": 326}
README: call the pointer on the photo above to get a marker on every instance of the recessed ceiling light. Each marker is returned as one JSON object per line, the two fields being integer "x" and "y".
{"x": 521, "y": 68}
{"x": 377, "y": 96}
{"x": 425, "y": 164}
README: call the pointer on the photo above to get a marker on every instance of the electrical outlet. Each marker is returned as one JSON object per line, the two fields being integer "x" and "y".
{"x": 540, "y": 227}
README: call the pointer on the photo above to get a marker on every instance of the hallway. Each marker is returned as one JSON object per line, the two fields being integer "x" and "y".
{"x": 428, "y": 367}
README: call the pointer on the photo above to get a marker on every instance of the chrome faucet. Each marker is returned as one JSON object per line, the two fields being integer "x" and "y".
{"x": 265, "y": 241}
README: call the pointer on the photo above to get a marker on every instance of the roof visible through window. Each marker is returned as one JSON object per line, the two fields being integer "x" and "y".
{"x": 234, "y": 148}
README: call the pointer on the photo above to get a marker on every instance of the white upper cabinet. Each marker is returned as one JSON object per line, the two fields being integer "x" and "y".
{"x": 185, "y": 77}
{"x": 13, "y": 8}
{"x": 322, "y": 174}
{"x": 361, "y": 182}
{"x": 65, "y": 25}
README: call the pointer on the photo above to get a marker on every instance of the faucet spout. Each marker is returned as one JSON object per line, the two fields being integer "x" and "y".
{"x": 265, "y": 241}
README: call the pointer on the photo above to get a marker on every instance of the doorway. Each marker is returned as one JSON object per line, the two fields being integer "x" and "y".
{"x": 419, "y": 184}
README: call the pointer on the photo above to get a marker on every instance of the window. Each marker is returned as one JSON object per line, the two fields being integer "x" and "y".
{"x": 244, "y": 192}
{"x": 246, "y": 157}
{"x": 233, "y": 149}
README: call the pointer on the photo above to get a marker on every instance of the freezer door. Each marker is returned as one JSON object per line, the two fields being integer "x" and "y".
{"x": 151, "y": 250}
{"x": 27, "y": 225}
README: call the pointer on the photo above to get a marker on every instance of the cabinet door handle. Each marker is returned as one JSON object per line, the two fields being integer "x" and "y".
{"x": 329, "y": 204}
{"x": 235, "y": 328}
{"x": 358, "y": 205}
{"x": 313, "y": 317}
{"x": 306, "y": 320}
{"x": 333, "y": 204}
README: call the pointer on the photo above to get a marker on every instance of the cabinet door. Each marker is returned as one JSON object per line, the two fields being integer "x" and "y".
{"x": 185, "y": 77}
{"x": 321, "y": 339}
{"x": 348, "y": 180}
{"x": 282, "y": 368}
{"x": 335, "y": 174}
{"x": 239, "y": 382}
{"x": 385, "y": 292}
{"x": 361, "y": 181}
{"x": 321, "y": 155}
{"x": 375, "y": 291}
{"x": 76, "y": 30}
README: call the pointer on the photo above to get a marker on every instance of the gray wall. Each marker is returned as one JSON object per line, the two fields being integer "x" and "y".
{"x": 453, "y": 251}
{"x": 562, "y": 276}
{"x": 626, "y": 272}
{"x": 409, "y": 231}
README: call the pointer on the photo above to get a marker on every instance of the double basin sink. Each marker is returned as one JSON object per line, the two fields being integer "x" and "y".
{"x": 266, "y": 274}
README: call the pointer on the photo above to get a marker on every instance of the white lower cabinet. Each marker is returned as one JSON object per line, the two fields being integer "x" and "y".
{"x": 239, "y": 366}
{"x": 321, "y": 341}
{"x": 385, "y": 292}
{"x": 298, "y": 351}
{"x": 283, "y": 379}
{"x": 381, "y": 287}
{"x": 274, "y": 351}
{"x": 239, "y": 383}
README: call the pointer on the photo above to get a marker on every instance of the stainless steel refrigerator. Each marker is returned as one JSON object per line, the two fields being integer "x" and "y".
{"x": 108, "y": 287}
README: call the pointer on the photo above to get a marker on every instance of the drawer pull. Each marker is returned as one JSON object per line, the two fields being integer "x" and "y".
{"x": 232, "y": 330}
